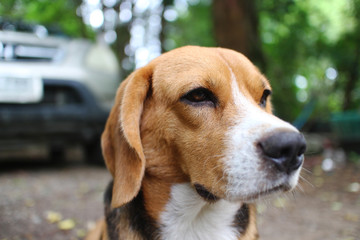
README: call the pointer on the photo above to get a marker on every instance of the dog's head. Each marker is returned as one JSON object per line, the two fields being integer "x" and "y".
{"x": 201, "y": 115}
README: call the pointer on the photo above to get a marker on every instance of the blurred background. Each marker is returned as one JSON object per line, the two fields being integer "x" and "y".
{"x": 61, "y": 62}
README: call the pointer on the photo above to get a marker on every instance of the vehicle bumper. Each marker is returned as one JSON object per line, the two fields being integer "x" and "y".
{"x": 67, "y": 113}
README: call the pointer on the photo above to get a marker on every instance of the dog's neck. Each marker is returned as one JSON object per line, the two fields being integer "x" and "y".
{"x": 184, "y": 215}
{"x": 189, "y": 216}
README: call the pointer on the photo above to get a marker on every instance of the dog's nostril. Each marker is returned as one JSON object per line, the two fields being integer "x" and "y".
{"x": 284, "y": 150}
{"x": 302, "y": 151}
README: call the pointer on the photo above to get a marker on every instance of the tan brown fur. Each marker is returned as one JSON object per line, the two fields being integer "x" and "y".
{"x": 152, "y": 141}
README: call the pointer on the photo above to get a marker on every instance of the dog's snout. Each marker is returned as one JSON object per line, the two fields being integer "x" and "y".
{"x": 284, "y": 149}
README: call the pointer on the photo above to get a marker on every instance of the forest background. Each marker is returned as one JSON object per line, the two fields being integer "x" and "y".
{"x": 309, "y": 50}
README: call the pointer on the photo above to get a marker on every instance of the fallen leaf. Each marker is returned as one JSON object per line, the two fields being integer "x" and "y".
{"x": 351, "y": 217}
{"x": 81, "y": 233}
{"x": 336, "y": 206}
{"x": 317, "y": 171}
{"x": 319, "y": 181}
{"x": 29, "y": 203}
{"x": 354, "y": 187}
{"x": 66, "y": 224}
{"x": 53, "y": 217}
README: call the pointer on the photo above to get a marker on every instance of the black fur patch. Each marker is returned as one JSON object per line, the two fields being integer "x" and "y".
{"x": 140, "y": 221}
{"x": 242, "y": 218}
{"x": 136, "y": 214}
{"x": 112, "y": 216}
{"x": 204, "y": 193}
{"x": 144, "y": 225}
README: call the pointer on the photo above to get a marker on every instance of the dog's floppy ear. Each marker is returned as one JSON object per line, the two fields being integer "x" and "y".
{"x": 121, "y": 142}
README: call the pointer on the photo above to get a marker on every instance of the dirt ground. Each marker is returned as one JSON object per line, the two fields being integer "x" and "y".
{"x": 43, "y": 200}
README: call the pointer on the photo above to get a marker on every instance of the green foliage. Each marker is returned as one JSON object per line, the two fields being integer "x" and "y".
{"x": 354, "y": 157}
{"x": 194, "y": 27}
{"x": 286, "y": 38}
{"x": 57, "y": 14}
{"x": 300, "y": 38}
{"x": 306, "y": 38}
{"x": 345, "y": 53}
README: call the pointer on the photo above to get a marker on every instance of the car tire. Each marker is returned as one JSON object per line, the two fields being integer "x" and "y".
{"x": 93, "y": 153}
{"x": 57, "y": 154}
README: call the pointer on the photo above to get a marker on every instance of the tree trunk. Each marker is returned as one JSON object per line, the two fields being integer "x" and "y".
{"x": 351, "y": 81}
{"x": 123, "y": 38}
{"x": 353, "y": 70}
{"x": 165, "y": 3}
{"x": 236, "y": 27}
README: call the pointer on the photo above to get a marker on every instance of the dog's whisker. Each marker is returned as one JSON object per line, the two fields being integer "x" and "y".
{"x": 215, "y": 184}
{"x": 306, "y": 181}
{"x": 212, "y": 157}
{"x": 307, "y": 171}
{"x": 300, "y": 188}
{"x": 294, "y": 194}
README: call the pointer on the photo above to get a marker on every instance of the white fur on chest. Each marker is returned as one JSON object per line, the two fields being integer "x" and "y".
{"x": 188, "y": 217}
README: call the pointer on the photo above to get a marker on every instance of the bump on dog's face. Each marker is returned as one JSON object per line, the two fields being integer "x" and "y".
{"x": 210, "y": 111}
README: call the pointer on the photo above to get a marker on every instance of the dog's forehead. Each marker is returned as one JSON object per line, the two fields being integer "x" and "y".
{"x": 215, "y": 68}
{"x": 246, "y": 74}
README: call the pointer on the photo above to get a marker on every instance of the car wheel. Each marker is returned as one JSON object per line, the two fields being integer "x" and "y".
{"x": 57, "y": 154}
{"x": 93, "y": 154}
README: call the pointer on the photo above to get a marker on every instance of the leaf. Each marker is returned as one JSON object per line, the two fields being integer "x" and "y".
{"x": 81, "y": 233}
{"x": 319, "y": 181}
{"x": 336, "y": 206}
{"x": 354, "y": 187}
{"x": 29, "y": 203}
{"x": 53, "y": 217}
{"x": 66, "y": 224}
{"x": 351, "y": 217}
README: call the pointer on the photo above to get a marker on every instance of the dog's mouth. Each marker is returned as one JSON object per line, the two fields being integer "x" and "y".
{"x": 205, "y": 194}
{"x": 210, "y": 197}
{"x": 261, "y": 194}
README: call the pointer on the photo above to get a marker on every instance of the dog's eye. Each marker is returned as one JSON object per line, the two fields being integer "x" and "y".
{"x": 264, "y": 97}
{"x": 199, "y": 97}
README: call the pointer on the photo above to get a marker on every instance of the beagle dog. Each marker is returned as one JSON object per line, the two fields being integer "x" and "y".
{"x": 191, "y": 143}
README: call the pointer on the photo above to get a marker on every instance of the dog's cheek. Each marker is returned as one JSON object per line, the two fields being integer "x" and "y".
{"x": 201, "y": 155}
{"x": 191, "y": 117}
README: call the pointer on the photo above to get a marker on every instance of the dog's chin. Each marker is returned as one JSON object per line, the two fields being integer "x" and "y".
{"x": 282, "y": 185}
{"x": 270, "y": 191}
{"x": 267, "y": 193}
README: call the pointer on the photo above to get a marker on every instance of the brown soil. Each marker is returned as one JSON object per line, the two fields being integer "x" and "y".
{"x": 34, "y": 193}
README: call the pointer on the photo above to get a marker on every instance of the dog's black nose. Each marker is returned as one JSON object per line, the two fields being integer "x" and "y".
{"x": 284, "y": 149}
